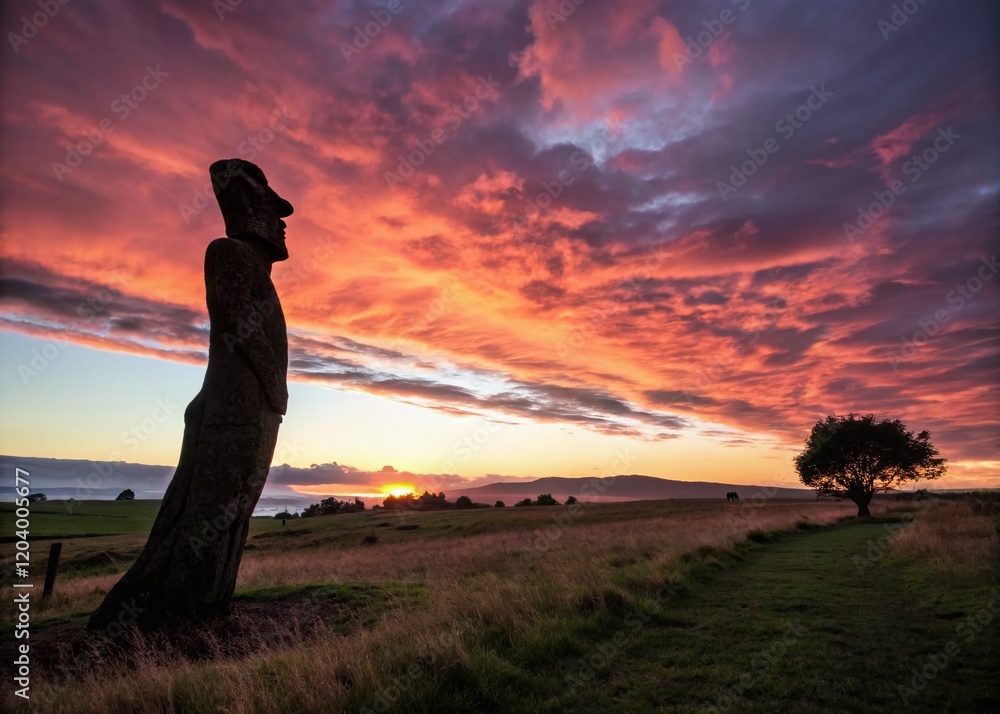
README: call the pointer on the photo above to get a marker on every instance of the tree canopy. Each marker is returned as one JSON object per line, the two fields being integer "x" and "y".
{"x": 857, "y": 456}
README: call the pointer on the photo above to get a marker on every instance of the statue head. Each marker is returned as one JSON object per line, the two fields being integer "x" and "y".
{"x": 249, "y": 205}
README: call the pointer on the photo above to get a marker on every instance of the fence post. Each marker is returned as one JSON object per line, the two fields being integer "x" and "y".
{"x": 50, "y": 571}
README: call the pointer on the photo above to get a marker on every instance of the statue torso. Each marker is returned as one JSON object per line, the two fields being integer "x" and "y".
{"x": 232, "y": 390}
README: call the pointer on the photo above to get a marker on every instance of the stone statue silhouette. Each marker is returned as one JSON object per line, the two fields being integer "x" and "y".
{"x": 189, "y": 564}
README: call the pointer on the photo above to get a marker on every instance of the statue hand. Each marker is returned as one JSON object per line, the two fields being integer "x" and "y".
{"x": 278, "y": 398}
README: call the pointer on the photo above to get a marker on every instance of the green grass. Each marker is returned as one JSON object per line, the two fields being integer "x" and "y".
{"x": 101, "y": 537}
{"x": 74, "y": 519}
{"x": 62, "y": 519}
{"x": 786, "y": 624}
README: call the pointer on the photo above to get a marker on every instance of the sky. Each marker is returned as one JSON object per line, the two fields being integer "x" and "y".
{"x": 530, "y": 238}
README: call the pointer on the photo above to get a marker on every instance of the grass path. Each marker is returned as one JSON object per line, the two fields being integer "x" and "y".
{"x": 794, "y": 626}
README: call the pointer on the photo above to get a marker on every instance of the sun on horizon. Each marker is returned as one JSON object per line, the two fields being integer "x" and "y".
{"x": 398, "y": 490}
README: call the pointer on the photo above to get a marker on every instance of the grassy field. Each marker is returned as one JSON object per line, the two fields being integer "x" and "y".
{"x": 73, "y": 519}
{"x": 646, "y": 606}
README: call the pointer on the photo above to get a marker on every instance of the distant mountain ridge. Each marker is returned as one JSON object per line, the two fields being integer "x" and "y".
{"x": 630, "y": 487}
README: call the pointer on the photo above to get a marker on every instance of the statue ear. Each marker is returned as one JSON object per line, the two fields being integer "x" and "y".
{"x": 237, "y": 204}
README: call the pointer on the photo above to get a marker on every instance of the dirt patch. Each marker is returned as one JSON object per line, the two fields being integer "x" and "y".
{"x": 65, "y": 650}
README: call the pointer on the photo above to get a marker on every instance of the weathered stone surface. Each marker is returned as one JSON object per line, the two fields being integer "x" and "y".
{"x": 189, "y": 565}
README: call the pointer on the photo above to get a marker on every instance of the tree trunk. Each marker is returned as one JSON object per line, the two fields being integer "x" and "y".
{"x": 863, "y": 511}
{"x": 189, "y": 565}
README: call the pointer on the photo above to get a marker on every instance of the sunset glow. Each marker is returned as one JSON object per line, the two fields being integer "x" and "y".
{"x": 397, "y": 490}
{"x": 521, "y": 246}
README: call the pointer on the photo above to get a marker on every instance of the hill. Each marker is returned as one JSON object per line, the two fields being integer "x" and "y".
{"x": 632, "y": 487}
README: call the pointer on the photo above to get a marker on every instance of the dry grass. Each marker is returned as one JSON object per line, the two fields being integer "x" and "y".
{"x": 500, "y": 580}
{"x": 960, "y": 537}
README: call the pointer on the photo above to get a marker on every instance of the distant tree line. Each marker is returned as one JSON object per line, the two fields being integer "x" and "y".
{"x": 428, "y": 501}
{"x": 545, "y": 499}
{"x": 329, "y": 507}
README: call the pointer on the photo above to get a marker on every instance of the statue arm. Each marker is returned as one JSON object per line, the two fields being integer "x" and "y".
{"x": 229, "y": 272}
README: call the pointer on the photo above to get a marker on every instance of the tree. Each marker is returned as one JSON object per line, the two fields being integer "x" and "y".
{"x": 571, "y": 500}
{"x": 855, "y": 457}
{"x": 463, "y": 502}
{"x": 523, "y": 502}
{"x": 427, "y": 501}
{"x": 499, "y": 504}
{"x": 36, "y": 497}
{"x": 545, "y": 499}
{"x": 126, "y": 495}
{"x": 331, "y": 506}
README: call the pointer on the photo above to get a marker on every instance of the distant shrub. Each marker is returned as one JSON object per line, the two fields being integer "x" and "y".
{"x": 499, "y": 504}
{"x": 525, "y": 502}
{"x": 571, "y": 500}
{"x": 427, "y": 501}
{"x": 464, "y": 502}
{"x": 545, "y": 499}
{"x": 369, "y": 540}
{"x": 35, "y": 497}
{"x": 331, "y": 506}
{"x": 285, "y": 514}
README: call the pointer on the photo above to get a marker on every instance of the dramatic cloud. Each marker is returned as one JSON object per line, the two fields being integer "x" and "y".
{"x": 653, "y": 218}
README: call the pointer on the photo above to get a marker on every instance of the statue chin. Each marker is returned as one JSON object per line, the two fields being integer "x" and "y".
{"x": 277, "y": 250}
{"x": 275, "y": 245}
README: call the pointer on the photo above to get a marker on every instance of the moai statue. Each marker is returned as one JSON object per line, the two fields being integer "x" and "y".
{"x": 188, "y": 568}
